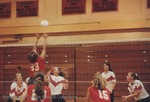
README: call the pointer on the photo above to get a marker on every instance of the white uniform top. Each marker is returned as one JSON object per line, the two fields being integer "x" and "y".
{"x": 138, "y": 86}
{"x": 56, "y": 84}
{"x": 110, "y": 78}
{"x": 17, "y": 91}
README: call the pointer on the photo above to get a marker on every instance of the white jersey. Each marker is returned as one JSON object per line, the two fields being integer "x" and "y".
{"x": 17, "y": 91}
{"x": 136, "y": 87}
{"x": 110, "y": 78}
{"x": 56, "y": 84}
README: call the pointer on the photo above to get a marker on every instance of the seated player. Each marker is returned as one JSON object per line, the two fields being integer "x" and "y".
{"x": 17, "y": 88}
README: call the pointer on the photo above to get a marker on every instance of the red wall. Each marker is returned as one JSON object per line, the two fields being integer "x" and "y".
{"x": 82, "y": 62}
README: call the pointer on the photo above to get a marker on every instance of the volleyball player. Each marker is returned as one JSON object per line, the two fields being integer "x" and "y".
{"x": 57, "y": 82}
{"x": 110, "y": 78}
{"x": 17, "y": 88}
{"x": 136, "y": 89}
{"x": 98, "y": 91}
{"x": 37, "y": 61}
{"x": 38, "y": 92}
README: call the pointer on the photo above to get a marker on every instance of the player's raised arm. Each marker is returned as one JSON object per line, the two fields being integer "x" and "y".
{"x": 43, "y": 53}
{"x": 46, "y": 77}
{"x": 36, "y": 42}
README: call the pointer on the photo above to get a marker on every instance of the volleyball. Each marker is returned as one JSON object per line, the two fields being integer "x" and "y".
{"x": 44, "y": 23}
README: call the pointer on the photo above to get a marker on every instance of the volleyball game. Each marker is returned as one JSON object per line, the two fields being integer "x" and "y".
{"x": 74, "y": 50}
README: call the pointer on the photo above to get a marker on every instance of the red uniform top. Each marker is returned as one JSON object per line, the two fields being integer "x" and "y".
{"x": 31, "y": 96}
{"x": 99, "y": 95}
{"x": 38, "y": 66}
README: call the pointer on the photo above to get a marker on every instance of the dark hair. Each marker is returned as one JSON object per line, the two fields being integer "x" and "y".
{"x": 134, "y": 75}
{"x": 62, "y": 73}
{"x": 39, "y": 86}
{"x": 32, "y": 57}
{"x": 18, "y": 67}
{"x": 108, "y": 64}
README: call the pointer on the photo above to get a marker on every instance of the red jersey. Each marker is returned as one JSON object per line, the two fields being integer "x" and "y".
{"x": 99, "y": 95}
{"x": 38, "y": 66}
{"x": 31, "y": 96}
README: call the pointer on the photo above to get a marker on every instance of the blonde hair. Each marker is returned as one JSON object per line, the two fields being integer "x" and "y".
{"x": 99, "y": 81}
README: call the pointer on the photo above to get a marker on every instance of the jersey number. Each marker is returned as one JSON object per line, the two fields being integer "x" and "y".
{"x": 103, "y": 94}
{"x": 34, "y": 67}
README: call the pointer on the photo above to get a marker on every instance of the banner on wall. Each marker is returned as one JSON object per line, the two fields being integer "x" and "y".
{"x": 5, "y": 10}
{"x": 27, "y": 8}
{"x": 104, "y": 5}
{"x": 73, "y": 7}
{"x": 148, "y": 3}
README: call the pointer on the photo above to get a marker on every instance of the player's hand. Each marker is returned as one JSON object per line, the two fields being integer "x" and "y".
{"x": 45, "y": 35}
{"x": 124, "y": 98}
{"x": 38, "y": 35}
{"x": 66, "y": 81}
{"x": 66, "y": 84}
{"x": 52, "y": 70}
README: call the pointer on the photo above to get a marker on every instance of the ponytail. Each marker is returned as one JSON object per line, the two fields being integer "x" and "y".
{"x": 39, "y": 87}
{"x": 63, "y": 73}
{"x": 134, "y": 75}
